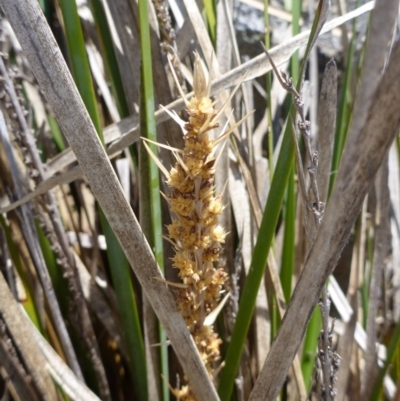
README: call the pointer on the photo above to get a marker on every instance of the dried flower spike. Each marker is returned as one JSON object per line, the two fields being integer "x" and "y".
{"x": 194, "y": 229}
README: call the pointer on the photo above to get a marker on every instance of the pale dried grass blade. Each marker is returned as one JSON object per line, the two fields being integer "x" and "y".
{"x": 381, "y": 250}
{"x": 212, "y": 316}
{"x": 52, "y": 74}
{"x": 345, "y": 350}
{"x": 124, "y": 174}
{"x": 60, "y": 371}
{"x": 350, "y": 304}
{"x": 339, "y": 299}
{"x": 224, "y": 39}
{"x": 160, "y": 145}
{"x": 257, "y": 66}
{"x": 44, "y": 187}
{"x": 383, "y": 19}
{"x": 326, "y": 127}
{"x": 156, "y": 160}
{"x": 97, "y": 69}
{"x": 241, "y": 211}
{"x": 123, "y": 27}
{"x": 27, "y": 347}
{"x": 394, "y": 176}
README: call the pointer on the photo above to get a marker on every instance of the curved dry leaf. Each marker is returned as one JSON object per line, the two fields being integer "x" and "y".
{"x": 60, "y": 371}
{"x": 27, "y": 347}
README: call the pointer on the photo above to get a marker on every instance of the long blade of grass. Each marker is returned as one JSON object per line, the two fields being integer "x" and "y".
{"x": 268, "y": 84}
{"x": 343, "y": 118}
{"x": 210, "y": 8}
{"x": 60, "y": 371}
{"x": 149, "y": 174}
{"x": 28, "y": 303}
{"x": 79, "y": 62}
{"x": 116, "y": 257}
{"x": 118, "y": 264}
{"x": 258, "y": 263}
{"x": 288, "y": 251}
{"x": 326, "y": 127}
{"x": 128, "y": 310}
{"x": 392, "y": 350}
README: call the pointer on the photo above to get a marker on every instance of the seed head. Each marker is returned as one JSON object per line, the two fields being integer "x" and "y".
{"x": 194, "y": 229}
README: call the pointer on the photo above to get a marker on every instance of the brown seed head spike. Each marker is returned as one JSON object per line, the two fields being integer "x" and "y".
{"x": 194, "y": 231}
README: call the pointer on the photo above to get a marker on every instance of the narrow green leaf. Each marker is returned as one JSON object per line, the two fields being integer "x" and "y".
{"x": 257, "y": 267}
{"x": 310, "y": 347}
{"x": 210, "y": 9}
{"x": 391, "y": 352}
{"x": 288, "y": 250}
{"x": 120, "y": 272}
{"x": 28, "y": 303}
{"x": 79, "y": 62}
{"x": 149, "y": 131}
{"x": 56, "y": 133}
{"x": 344, "y": 113}
{"x": 268, "y": 86}
{"x": 118, "y": 264}
{"x": 294, "y": 61}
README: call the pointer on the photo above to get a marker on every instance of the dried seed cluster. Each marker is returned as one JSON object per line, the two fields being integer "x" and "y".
{"x": 195, "y": 230}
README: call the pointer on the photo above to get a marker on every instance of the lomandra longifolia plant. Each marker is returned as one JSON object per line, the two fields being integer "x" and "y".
{"x": 195, "y": 234}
